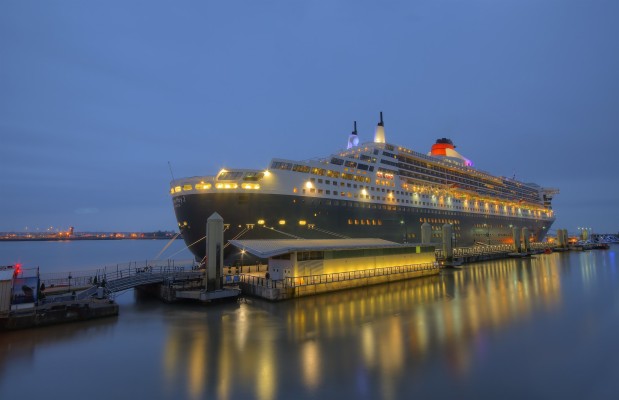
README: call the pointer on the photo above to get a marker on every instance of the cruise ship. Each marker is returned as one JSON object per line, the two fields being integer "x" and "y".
{"x": 372, "y": 189}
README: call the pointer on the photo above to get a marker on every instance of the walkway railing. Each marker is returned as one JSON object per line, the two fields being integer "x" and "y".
{"x": 122, "y": 276}
{"x": 336, "y": 276}
{"x": 86, "y": 277}
{"x": 489, "y": 249}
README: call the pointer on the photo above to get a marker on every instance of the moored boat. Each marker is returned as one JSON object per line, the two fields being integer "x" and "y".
{"x": 371, "y": 189}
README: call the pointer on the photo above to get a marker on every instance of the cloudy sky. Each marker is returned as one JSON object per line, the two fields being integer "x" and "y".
{"x": 97, "y": 96}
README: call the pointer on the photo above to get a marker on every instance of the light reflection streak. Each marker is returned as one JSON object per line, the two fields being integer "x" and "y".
{"x": 587, "y": 269}
{"x": 197, "y": 366}
{"x": 242, "y": 328}
{"x": 225, "y": 360}
{"x": 265, "y": 374}
{"x": 310, "y": 364}
{"x": 367, "y": 345}
{"x": 170, "y": 361}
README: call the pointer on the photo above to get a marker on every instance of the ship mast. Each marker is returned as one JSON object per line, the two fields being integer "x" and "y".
{"x": 379, "y": 136}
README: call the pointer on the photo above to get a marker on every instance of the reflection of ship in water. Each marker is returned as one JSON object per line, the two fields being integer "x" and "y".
{"x": 378, "y": 329}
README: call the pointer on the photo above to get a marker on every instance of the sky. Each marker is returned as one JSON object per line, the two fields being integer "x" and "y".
{"x": 96, "y": 97}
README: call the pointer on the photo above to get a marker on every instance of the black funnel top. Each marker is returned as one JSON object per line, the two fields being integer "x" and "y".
{"x": 354, "y": 132}
{"x": 381, "y": 120}
{"x": 445, "y": 141}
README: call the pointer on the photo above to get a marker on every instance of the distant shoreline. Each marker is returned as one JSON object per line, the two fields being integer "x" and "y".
{"x": 70, "y": 239}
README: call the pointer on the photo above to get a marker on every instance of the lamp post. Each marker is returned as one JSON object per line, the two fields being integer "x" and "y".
{"x": 405, "y": 231}
{"x": 487, "y": 233}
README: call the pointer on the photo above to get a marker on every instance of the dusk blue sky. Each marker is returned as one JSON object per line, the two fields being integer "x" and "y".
{"x": 97, "y": 96}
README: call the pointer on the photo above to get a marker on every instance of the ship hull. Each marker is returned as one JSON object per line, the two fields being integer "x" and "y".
{"x": 264, "y": 216}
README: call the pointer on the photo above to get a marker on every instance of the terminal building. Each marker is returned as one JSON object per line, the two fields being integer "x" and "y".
{"x": 294, "y": 258}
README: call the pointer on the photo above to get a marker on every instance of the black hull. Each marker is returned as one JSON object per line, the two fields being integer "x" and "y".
{"x": 342, "y": 217}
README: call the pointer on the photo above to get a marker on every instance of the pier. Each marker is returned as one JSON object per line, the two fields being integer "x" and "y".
{"x": 254, "y": 280}
{"x": 295, "y": 268}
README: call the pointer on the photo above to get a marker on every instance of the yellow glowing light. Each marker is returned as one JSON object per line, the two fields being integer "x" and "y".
{"x": 302, "y": 222}
{"x": 251, "y": 186}
{"x": 187, "y": 187}
{"x": 260, "y": 222}
{"x": 267, "y": 173}
{"x": 282, "y": 222}
{"x": 308, "y": 185}
{"x": 177, "y": 189}
{"x": 171, "y": 190}
{"x": 364, "y": 192}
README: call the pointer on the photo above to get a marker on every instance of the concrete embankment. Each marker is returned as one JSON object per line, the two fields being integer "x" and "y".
{"x": 57, "y": 313}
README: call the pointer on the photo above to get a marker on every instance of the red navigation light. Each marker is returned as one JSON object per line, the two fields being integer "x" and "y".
{"x": 17, "y": 268}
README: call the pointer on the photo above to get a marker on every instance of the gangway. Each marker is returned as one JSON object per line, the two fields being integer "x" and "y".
{"x": 119, "y": 279}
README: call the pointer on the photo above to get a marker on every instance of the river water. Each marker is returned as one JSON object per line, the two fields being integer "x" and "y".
{"x": 545, "y": 327}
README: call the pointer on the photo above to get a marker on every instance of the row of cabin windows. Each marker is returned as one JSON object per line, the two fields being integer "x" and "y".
{"x": 439, "y": 221}
{"x": 441, "y": 174}
{"x": 503, "y": 186}
{"x": 403, "y": 201}
{"x": 323, "y": 172}
{"x": 365, "y": 222}
{"x": 390, "y": 173}
{"x": 346, "y": 203}
{"x": 321, "y": 255}
{"x": 397, "y": 192}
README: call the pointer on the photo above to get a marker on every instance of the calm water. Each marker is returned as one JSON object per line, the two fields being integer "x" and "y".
{"x": 546, "y": 327}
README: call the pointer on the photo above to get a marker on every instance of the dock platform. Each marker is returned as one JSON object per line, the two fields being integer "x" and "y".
{"x": 256, "y": 284}
{"x": 59, "y": 312}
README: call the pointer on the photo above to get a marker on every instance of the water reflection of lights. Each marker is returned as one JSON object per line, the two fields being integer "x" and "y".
{"x": 587, "y": 268}
{"x": 266, "y": 373}
{"x": 242, "y": 328}
{"x": 385, "y": 328}
{"x": 197, "y": 366}
{"x": 367, "y": 345}
{"x": 310, "y": 364}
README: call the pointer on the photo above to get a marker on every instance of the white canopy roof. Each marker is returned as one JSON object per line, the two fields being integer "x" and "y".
{"x": 273, "y": 247}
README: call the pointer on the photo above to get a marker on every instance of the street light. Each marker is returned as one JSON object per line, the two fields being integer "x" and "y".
{"x": 487, "y": 233}
{"x": 405, "y": 231}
